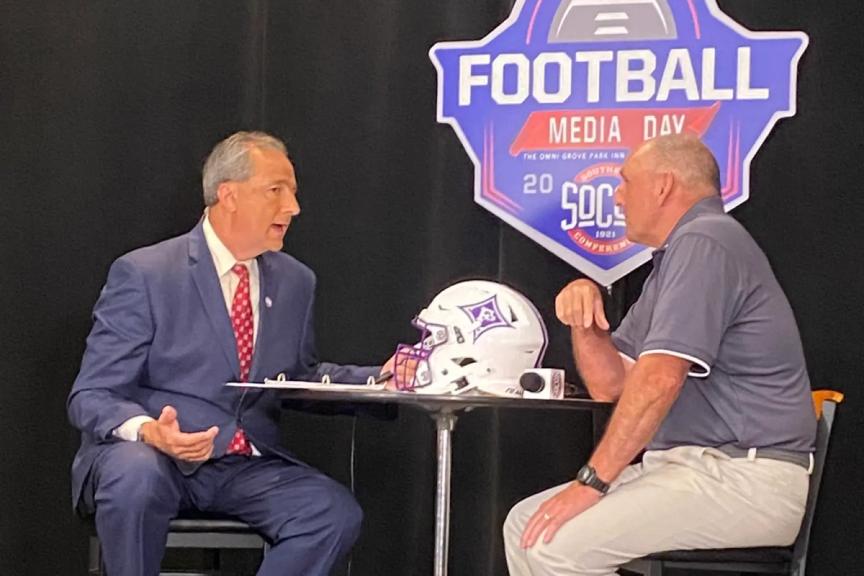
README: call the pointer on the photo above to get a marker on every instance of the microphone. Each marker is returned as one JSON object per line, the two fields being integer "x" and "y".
{"x": 531, "y": 382}
{"x": 542, "y": 383}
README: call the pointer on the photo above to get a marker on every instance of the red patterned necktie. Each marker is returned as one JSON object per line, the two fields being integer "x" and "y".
{"x": 242, "y": 321}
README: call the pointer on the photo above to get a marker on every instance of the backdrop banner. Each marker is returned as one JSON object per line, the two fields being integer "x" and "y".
{"x": 549, "y": 104}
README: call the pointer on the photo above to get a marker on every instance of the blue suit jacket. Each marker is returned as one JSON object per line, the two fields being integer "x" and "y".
{"x": 162, "y": 335}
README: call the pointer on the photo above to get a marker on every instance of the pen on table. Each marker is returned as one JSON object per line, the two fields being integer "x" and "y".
{"x": 384, "y": 377}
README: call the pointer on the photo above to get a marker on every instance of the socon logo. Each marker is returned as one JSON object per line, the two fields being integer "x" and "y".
{"x": 549, "y": 104}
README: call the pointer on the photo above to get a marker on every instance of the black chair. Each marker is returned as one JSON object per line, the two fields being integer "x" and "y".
{"x": 791, "y": 560}
{"x": 198, "y": 531}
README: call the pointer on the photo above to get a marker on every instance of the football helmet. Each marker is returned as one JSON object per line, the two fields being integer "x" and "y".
{"x": 475, "y": 336}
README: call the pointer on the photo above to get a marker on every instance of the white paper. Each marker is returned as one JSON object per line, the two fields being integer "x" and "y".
{"x": 301, "y": 385}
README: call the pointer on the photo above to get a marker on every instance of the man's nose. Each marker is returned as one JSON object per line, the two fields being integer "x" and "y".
{"x": 290, "y": 204}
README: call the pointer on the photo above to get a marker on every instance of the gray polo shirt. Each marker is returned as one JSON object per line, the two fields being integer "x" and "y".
{"x": 712, "y": 299}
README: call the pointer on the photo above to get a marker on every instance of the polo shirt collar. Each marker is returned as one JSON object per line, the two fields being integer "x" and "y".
{"x": 712, "y": 205}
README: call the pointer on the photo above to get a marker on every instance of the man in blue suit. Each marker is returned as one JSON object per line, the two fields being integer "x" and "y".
{"x": 160, "y": 432}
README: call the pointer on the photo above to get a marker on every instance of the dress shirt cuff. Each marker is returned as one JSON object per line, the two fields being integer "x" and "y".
{"x": 129, "y": 429}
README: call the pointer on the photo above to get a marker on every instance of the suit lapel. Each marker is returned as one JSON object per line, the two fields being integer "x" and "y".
{"x": 207, "y": 282}
{"x": 268, "y": 289}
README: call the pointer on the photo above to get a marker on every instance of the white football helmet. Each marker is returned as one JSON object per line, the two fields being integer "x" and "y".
{"x": 476, "y": 335}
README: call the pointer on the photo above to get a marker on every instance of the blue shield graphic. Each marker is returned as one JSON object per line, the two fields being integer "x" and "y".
{"x": 549, "y": 104}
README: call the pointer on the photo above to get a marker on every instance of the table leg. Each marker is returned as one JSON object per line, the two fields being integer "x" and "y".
{"x": 444, "y": 424}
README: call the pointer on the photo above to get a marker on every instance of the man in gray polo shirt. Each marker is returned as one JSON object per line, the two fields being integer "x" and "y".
{"x": 708, "y": 375}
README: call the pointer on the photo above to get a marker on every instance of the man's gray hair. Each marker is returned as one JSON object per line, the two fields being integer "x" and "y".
{"x": 230, "y": 160}
{"x": 689, "y": 158}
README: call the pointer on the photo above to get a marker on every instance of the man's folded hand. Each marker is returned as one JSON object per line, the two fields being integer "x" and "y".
{"x": 164, "y": 434}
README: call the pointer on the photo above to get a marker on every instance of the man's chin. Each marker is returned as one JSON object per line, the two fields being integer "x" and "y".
{"x": 633, "y": 235}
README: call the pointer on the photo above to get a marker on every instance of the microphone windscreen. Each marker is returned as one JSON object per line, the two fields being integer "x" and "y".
{"x": 531, "y": 382}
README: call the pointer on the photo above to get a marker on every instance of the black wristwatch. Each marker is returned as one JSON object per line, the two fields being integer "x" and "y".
{"x": 588, "y": 477}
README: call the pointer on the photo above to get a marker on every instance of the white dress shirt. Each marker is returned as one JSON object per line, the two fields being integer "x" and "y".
{"x": 224, "y": 261}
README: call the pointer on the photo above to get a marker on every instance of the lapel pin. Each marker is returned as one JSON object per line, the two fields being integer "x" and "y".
{"x": 268, "y": 302}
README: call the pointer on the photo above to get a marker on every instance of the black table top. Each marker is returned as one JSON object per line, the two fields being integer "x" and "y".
{"x": 441, "y": 402}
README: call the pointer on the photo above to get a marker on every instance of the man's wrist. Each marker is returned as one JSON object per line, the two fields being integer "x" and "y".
{"x": 143, "y": 429}
{"x": 587, "y": 476}
{"x": 130, "y": 429}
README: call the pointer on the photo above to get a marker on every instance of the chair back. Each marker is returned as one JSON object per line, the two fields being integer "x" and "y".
{"x": 825, "y": 403}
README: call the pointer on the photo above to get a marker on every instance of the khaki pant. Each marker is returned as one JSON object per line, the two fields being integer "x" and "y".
{"x": 687, "y": 497}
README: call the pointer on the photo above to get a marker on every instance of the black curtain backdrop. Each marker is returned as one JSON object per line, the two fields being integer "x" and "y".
{"x": 107, "y": 110}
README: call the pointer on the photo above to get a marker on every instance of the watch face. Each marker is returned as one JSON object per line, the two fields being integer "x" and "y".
{"x": 585, "y": 474}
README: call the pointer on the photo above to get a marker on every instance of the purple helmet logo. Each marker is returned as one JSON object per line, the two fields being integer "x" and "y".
{"x": 485, "y": 316}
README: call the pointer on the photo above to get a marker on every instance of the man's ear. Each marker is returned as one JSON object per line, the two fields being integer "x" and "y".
{"x": 227, "y": 195}
{"x": 665, "y": 185}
